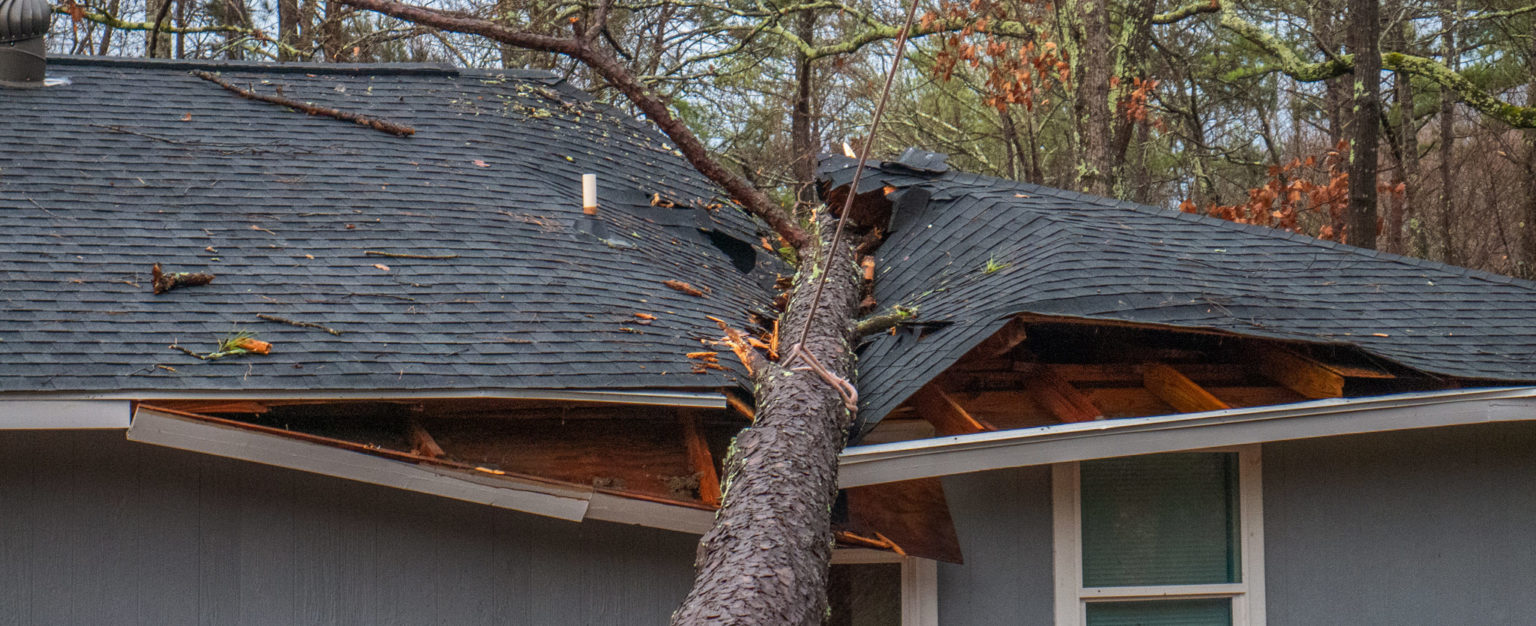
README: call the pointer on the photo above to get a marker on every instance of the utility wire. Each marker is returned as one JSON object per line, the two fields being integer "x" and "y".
{"x": 853, "y": 187}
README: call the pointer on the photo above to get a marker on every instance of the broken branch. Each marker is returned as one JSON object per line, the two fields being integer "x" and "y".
{"x": 284, "y": 320}
{"x": 401, "y": 255}
{"x": 162, "y": 282}
{"x": 897, "y": 316}
{"x": 375, "y": 123}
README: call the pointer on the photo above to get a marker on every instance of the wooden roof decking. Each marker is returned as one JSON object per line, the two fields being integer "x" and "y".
{"x": 1040, "y": 370}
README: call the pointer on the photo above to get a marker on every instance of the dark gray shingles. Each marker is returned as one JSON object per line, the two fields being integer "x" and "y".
{"x": 138, "y": 162}
{"x": 1075, "y": 255}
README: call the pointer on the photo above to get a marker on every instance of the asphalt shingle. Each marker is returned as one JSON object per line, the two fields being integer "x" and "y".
{"x": 1062, "y": 253}
{"x": 137, "y": 162}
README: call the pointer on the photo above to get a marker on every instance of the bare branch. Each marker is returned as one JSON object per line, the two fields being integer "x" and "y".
{"x": 619, "y": 76}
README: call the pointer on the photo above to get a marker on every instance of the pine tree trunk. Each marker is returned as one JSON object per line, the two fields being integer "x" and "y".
{"x": 1407, "y": 140}
{"x": 1448, "y": 140}
{"x": 287, "y": 27}
{"x": 1364, "y": 16}
{"x": 802, "y": 147}
{"x": 765, "y": 560}
{"x": 1096, "y": 170}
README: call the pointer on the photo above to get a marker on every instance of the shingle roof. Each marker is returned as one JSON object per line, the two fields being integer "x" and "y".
{"x": 1070, "y": 254}
{"x": 137, "y": 162}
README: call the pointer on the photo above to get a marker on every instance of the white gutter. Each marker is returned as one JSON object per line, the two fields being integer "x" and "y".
{"x": 690, "y": 399}
{"x": 1060, "y": 443}
{"x": 63, "y": 414}
{"x": 571, "y": 503}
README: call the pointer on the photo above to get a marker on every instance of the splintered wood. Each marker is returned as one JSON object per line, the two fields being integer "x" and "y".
{"x": 683, "y": 287}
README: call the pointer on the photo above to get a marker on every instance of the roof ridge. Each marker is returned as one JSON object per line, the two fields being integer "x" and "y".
{"x": 287, "y": 67}
{"x": 1255, "y": 229}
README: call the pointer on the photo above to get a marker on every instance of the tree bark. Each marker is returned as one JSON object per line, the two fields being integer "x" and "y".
{"x": 802, "y": 146}
{"x": 1365, "y": 31}
{"x": 1528, "y": 219}
{"x": 1406, "y": 146}
{"x": 1448, "y": 140}
{"x": 287, "y": 28}
{"x": 765, "y": 559}
{"x": 157, "y": 42}
{"x": 1095, "y": 172}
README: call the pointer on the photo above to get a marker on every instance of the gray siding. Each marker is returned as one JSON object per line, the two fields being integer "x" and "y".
{"x": 97, "y": 530}
{"x": 1004, "y": 522}
{"x": 1421, "y": 527}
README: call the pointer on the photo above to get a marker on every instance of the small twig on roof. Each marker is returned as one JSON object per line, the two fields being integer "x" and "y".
{"x": 399, "y": 255}
{"x": 284, "y": 320}
{"x": 375, "y": 123}
{"x": 162, "y": 282}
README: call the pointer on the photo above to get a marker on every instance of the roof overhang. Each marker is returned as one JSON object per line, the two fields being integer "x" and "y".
{"x": 557, "y": 500}
{"x": 64, "y": 414}
{"x": 651, "y": 397}
{"x": 1060, "y": 443}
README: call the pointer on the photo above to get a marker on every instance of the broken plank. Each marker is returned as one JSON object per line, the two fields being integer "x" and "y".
{"x": 1001, "y": 342}
{"x": 1059, "y": 397}
{"x": 422, "y": 442}
{"x": 1299, "y": 373}
{"x": 1178, "y": 390}
{"x": 700, "y": 458}
{"x": 946, "y": 415}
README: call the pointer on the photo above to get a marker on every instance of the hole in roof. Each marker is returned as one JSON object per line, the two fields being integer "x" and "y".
{"x": 743, "y": 256}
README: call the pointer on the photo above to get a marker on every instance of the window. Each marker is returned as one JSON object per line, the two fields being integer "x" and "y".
{"x": 1160, "y": 539}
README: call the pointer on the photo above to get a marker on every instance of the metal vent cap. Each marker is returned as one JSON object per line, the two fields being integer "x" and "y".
{"x": 21, "y": 20}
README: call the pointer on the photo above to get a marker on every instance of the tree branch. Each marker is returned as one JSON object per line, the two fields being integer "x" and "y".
{"x": 1292, "y": 65}
{"x": 113, "y": 21}
{"x": 1189, "y": 10}
{"x": 607, "y": 66}
{"x": 881, "y": 322}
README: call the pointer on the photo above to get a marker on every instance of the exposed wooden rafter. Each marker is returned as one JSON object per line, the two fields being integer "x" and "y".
{"x": 1181, "y": 393}
{"x": 703, "y": 462}
{"x": 1001, "y": 342}
{"x": 1059, "y": 397}
{"x": 946, "y": 415}
{"x": 422, "y": 442}
{"x": 1301, "y": 374}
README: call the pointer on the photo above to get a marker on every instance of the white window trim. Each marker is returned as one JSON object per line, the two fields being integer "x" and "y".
{"x": 919, "y": 592}
{"x": 1247, "y": 597}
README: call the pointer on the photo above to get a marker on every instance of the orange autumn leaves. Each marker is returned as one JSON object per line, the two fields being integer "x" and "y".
{"x": 1306, "y": 196}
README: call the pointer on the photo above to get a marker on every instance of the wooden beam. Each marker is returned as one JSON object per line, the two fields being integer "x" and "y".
{"x": 1301, "y": 374}
{"x": 1181, "y": 393}
{"x": 703, "y": 462}
{"x": 422, "y": 442}
{"x": 946, "y": 415}
{"x": 911, "y": 516}
{"x": 740, "y": 405}
{"x": 1005, "y": 339}
{"x": 1059, "y": 397}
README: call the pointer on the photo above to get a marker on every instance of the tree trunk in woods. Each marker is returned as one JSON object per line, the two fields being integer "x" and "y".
{"x": 1448, "y": 140}
{"x": 287, "y": 27}
{"x": 1095, "y": 170}
{"x": 1407, "y": 144}
{"x": 157, "y": 42}
{"x": 1527, "y": 268}
{"x": 801, "y": 144}
{"x": 765, "y": 560}
{"x": 1365, "y": 31}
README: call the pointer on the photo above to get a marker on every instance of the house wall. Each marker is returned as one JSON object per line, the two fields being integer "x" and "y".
{"x": 98, "y": 530}
{"x": 1422, "y": 527}
{"x": 1418, "y": 527}
{"x": 1004, "y": 522}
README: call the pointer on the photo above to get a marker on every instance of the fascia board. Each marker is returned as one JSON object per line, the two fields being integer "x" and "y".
{"x": 64, "y": 414}
{"x": 960, "y": 454}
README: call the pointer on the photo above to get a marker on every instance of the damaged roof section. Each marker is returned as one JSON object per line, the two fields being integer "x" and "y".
{"x": 454, "y": 258}
{"x": 970, "y": 252}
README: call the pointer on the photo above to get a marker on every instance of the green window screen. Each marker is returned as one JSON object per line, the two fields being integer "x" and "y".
{"x": 1164, "y": 519}
{"x": 1204, "y": 612}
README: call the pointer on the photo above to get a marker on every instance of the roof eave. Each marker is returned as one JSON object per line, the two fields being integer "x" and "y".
{"x": 1061, "y": 443}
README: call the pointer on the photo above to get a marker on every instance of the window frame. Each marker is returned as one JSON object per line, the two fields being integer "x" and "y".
{"x": 1247, "y": 596}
